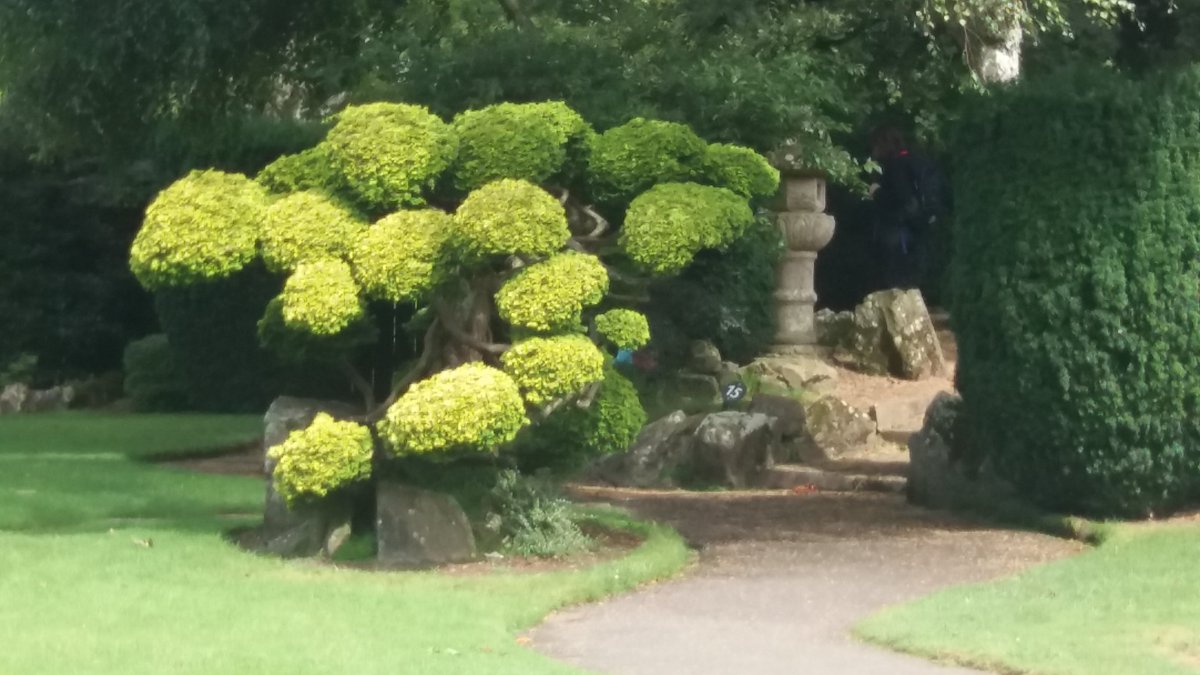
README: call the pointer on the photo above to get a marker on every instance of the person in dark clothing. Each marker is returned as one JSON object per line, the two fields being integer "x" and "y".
{"x": 905, "y": 212}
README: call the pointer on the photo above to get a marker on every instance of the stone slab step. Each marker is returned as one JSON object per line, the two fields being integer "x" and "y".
{"x": 787, "y": 476}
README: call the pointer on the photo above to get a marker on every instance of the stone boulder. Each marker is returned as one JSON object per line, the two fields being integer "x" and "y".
{"x": 791, "y": 423}
{"x": 306, "y": 530}
{"x": 13, "y": 398}
{"x": 838, "y": 428}
{"x": 937, "y": 475}
{"x": 731, "y": 449}
{"x": 419, "y": 528}
{"x": 793, "y": 372}
{"x": 705, "y": 358}
{"x": 650, "y": 457}
{"x": 690, "y": 391}
{"x": 890, "y": 333}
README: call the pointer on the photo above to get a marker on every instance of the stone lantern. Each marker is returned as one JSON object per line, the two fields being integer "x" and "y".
{"x": 806, "y": 229}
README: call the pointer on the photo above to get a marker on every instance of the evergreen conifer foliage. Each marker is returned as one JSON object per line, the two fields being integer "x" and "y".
{"x": 485, "y": 226}
{"x": 1077, "y": 290}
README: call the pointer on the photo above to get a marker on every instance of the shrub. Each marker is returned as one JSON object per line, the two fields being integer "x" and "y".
{"x": 204, "y": 226}
{"x": 549, "y": 368}
{"x": 299, "y": 346}
{"x": 1076, "y": 280}
{"x": 507, "y": 140}
{"x": 306, "y": 226}
{"x": 321, "y": 298}
{"x": 574, "y": 436}
{"x": 321, "y": 458}
{"x": 153, "y": 380}
{"x": 511, "y": 217}
{"x": 725, "y": 297}
{"x": 552, "y": 294}
{"x": 624, "y": 328}
{"x": 303, "y": 171}
{"x": 471, "y": 407}
{"x": 401, "y": 257}
{"x": 670, "y": 223}
{"x": 740, "y": 169}
{"x": 532, "y": 519}
{"x": 389, "y": 153}
{"x": 629, "y": 159}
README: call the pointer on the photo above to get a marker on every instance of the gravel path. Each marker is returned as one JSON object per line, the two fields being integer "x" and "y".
{"x": 781, "y": 580}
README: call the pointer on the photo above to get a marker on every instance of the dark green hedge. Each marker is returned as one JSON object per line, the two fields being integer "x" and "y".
{"x": 153, "y": 379}
{"x": 1076, "y": 296}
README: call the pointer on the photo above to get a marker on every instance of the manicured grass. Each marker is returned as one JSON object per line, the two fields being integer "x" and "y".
{"x": 109, "y": 565}
{"x": 1130, "y": 606}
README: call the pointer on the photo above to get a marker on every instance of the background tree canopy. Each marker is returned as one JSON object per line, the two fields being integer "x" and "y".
{"x": 104, "y": 102}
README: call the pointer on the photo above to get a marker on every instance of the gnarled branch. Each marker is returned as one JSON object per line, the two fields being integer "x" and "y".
{"x": 428, "y": 349}
{"x": 458, "y": 334}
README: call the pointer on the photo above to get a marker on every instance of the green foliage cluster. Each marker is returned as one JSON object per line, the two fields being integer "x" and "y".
{"x": 153, "y": 379}
{"x": 323, "y": 457}
{"x": 532, "y": 519}
{"x": 471, "y": 407}
{"x": 510, "y": 217}
{"x": 574, "y": 436}
{"x": 306, "y": 226}
{"x": 670, "y": 223}
{"x": 625, "y": 328}
{"x": 1076, "y": 282}
{"x": 507, "y": 140}
{"x": 204, "y": 226}
{"x": 551, "y": 295}
{"x": 309, "y": 169}
{"x": 740, "y": 169}
{"x": 389, "y": 153}
{"x": 320, "y": 297}
{"x": 627, "y": 160}
{"x": 299, "y": 346}
{"x": 401, "y": 257}
{"x": 550, "y": 368}
{"x": 725, "y": 297}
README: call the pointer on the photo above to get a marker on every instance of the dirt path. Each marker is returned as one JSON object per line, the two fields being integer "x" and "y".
{"x": 781, "y": 580}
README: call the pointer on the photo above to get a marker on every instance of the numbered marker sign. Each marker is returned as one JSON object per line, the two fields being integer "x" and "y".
{"x": 734, "y": 392}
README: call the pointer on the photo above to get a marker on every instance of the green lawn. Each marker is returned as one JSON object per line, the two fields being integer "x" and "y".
{"x": 81, "y": 592}
{"x": 1131, "y": 606}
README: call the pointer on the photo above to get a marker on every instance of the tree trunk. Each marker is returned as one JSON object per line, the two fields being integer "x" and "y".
{"x": 997, "y": 60}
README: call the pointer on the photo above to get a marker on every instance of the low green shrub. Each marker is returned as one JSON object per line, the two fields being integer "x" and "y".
{"x": 1076, "y": 293}
{"x": 153, "y": 379}
{"x": 532, "y": 519}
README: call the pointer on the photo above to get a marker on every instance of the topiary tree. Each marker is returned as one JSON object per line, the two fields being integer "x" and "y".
{"x": 486, "y": 226}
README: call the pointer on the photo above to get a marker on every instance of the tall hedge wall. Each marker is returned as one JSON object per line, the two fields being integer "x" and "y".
{"x": 1076, "y": 292}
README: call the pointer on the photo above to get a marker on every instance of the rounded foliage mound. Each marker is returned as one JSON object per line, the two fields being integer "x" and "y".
{"x": 550, "y": 368}
{"x": 389, "y": 153}
{"x": 153, "y": 379}
{"x": 307, "y": 170}
{"x": 401, "y": 257}
{"x": 472, "y": 407}
{"x": 740, "y": 169}
{"x": 628, "y": 159}
{"x": 204, "y": 226}
{"x": 624, "y": 328}
{"x": 573, "y": 435}
{"x": 300, "y": 346}
{"x": 320, "y": 297}
{"x": 670, "y": 223}
{"x": 507, "y": 140}
{"x": 306, "y": 226}
{"x": 552, "y": 294}
{"x": 511, "y": 217}
{"x": 725, "y": 297}
{"x": 321, "y": 458}
{"x": 1076, "y": 287}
